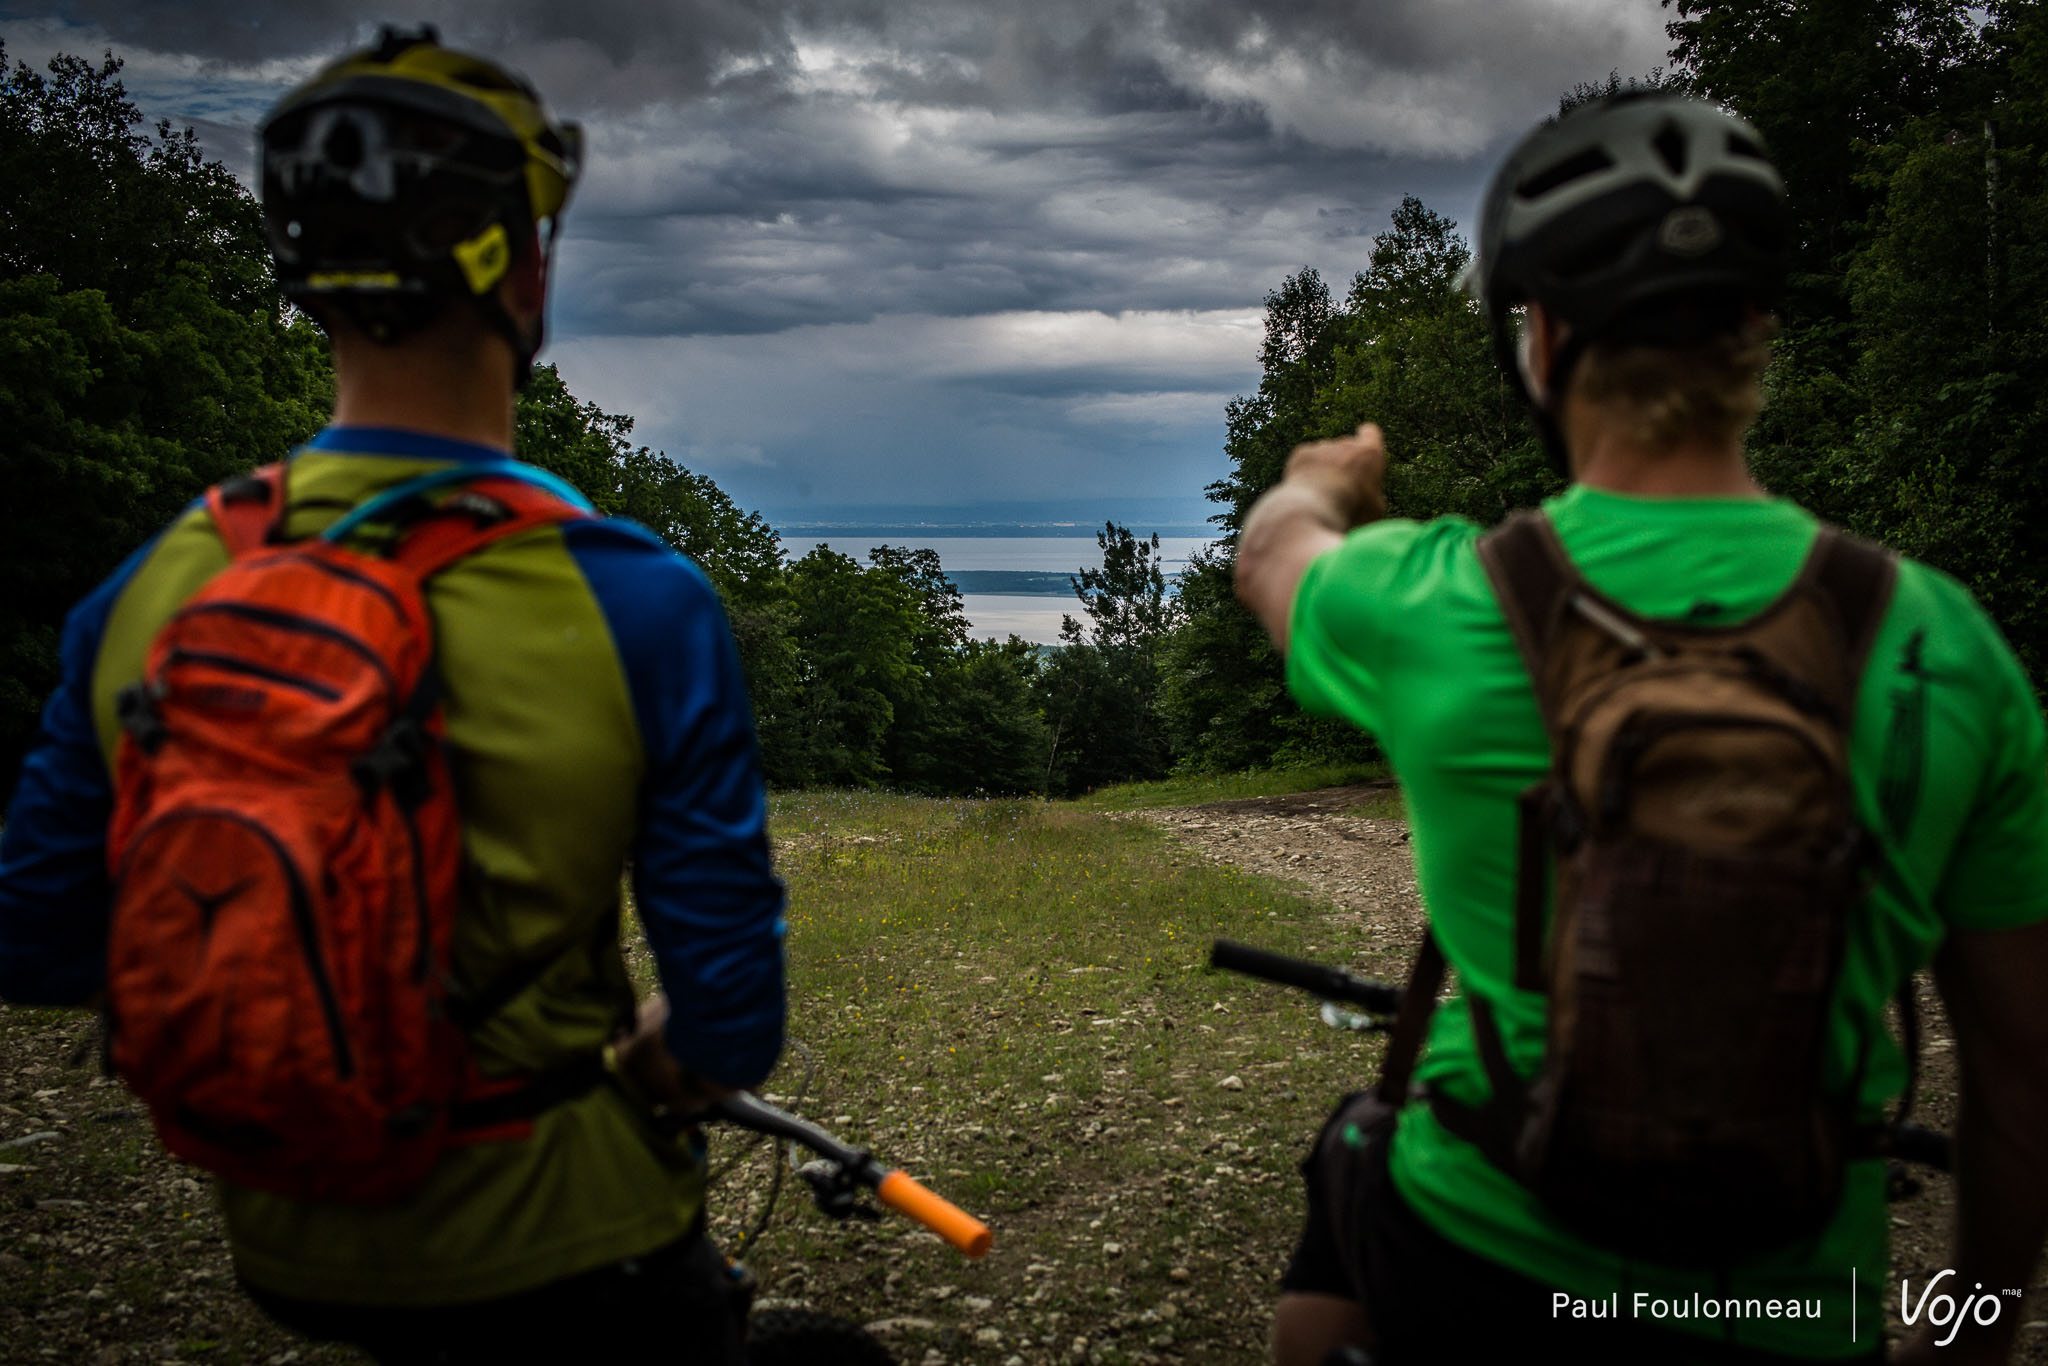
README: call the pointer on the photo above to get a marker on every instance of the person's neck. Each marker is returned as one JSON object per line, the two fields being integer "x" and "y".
{"x": 420, "y": 386}
{"x": 1604, "y": 458}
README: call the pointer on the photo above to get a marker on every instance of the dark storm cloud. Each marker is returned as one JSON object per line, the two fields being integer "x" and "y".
{"x": 691, "y": 43}
{"x": 856, "y": 249}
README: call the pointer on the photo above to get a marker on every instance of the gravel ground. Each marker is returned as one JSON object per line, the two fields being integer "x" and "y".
{"x": 110, "y": 1253}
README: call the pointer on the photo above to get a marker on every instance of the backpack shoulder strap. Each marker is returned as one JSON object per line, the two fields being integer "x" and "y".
{"x": 488, "y": 510}
{"x": 248, "y": 511}
{"x": 1854, "y": 578}
{"x": 1534, "y": 581}
{"x": 500, "y": 498}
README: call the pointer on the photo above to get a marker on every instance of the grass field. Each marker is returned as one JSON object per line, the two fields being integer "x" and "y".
{"x": 1012, "y": 1001}
{"x": 1223, "y": 787}
{"x": 1009, "y": 999}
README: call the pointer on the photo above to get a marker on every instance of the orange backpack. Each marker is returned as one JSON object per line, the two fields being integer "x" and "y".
{"x": 285, "y": 847}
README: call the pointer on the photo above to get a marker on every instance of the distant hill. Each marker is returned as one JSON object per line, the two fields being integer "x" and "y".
{"x": 1017, "y": 582}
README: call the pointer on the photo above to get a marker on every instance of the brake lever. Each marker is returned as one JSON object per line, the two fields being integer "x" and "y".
{"x": 1341, "y": 1017}
{"x": 836, "y": 1191}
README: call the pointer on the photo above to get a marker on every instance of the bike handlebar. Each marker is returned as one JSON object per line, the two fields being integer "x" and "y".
{"x": 1332, "y": 984}
{"x": 900, "y": 1192}
{"x": 896, "y": 1189}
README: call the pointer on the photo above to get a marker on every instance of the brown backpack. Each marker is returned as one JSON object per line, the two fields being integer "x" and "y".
{"x": 1697, "y": 840}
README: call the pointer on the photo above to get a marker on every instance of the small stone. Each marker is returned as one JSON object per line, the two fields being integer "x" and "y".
{"x": 1232, "y": 1083}
{"x": 1180, "y": 1274}
{"x": 988, "y": 1337}
{"x": 896, "y": 1327}
{"x": 30, "y": 1140}
{"x": 1113, "y": 1249}
{"x": 977, "y": 1304}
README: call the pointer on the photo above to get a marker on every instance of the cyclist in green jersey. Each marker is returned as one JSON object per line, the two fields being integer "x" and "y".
{"x": 1645, "y": 241}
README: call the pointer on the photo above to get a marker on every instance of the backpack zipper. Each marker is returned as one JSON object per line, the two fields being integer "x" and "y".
{"x": 305, "y": 626}
{"x": 237, "y": 665}
{"x": 350, "y": 576}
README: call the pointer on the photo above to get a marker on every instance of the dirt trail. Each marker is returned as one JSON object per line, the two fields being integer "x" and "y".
{"x": 1361, "y": 865}
{"x": 1357, "y": 862}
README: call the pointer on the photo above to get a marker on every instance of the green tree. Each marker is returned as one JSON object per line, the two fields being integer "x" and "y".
{"x": 1905, "y": 400}
{"x": 145, "y": 351}
{"x": 1417, "y": 359}
{"x": 1407, "y": 349}
{"x": 985, "y": 734}
{"x": 1099, "y": 693}
{"x": 1825, "y": 81}
{"x": 1949, "y": 293}
{"x": 855, "y": 633}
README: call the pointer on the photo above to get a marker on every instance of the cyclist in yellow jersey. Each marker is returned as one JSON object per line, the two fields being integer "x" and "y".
{"x": 595, "y": 715}
{"x": 1644, "y": 238}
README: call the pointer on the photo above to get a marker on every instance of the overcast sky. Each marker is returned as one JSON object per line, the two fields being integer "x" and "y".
{"x": 938, "y": 251}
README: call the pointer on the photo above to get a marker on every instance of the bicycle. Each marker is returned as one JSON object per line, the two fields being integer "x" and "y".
{"x": 837, "y": 1175}
{"x": 1380, "y": 1002}
{"x": 1900, "y": 1142}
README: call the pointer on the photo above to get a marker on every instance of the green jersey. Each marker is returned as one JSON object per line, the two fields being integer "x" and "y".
{"x": 1398, "y": 631}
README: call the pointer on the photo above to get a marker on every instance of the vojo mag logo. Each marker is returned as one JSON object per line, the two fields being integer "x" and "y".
{"x": 1941, "y": 1309}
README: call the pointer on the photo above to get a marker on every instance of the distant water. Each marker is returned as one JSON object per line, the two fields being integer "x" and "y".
{"x": 1009, "y": 583}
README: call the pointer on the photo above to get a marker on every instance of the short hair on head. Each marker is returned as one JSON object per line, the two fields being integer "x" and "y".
{"x": 1705, "y": 390}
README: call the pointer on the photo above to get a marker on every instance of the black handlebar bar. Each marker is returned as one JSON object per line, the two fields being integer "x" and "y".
{"x": 1332, "y": 984}
{"x": 1905, "y": 1142}
{"x": 749, "y": 1111}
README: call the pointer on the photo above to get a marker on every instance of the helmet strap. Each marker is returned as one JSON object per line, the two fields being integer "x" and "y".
{"x": 524, "y": 341}
{"x": 1546, "y": 396}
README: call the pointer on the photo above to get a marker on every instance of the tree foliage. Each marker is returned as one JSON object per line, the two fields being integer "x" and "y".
{"x": 1408, "y": 349}
{"x": 1099, "y": 694}
{"x": 1910, "y": 392}
{"x": 145, "y": 351}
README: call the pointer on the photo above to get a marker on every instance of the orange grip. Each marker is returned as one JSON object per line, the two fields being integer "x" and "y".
{"x": 901, "y": 1193}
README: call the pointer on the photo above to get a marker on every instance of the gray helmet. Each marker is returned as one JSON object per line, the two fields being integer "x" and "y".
{"x": 1646, "y": 217}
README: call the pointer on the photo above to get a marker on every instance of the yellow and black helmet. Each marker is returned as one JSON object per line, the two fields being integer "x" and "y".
{"x": 407, "y": 175}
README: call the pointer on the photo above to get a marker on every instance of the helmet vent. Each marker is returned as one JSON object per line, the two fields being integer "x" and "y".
{"x": 1741, "y": 146}
{"x": 1670, "y": 145}
{"x": 393, "y": 41}
{"x": 344, "y": 146}
{"x": 1589, "y": 162}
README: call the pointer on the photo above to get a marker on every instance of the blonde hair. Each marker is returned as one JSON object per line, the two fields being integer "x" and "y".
{"x": 1707, "y": 391}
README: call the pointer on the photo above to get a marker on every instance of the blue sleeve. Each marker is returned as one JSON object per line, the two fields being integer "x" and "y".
{"x": 53, "y": 852}
{"x": 708, "y": 898}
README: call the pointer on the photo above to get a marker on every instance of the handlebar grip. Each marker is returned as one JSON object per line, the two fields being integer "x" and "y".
{"x": 900, "y": 1192}
{"x": 1332, "y": 984}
